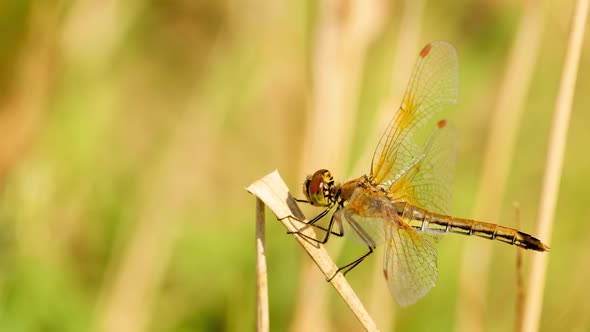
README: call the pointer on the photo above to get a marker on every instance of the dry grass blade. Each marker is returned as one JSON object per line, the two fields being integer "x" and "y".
{"x": 274, "y": 193}
{"x": 554, "y": 163}
{"x": 262, "y": 324}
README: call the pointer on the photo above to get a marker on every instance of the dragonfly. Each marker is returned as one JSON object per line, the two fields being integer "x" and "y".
{"x": 404, "y": 201}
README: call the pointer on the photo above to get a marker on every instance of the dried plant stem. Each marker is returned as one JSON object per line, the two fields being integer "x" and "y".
{"x": 262, "y": 324}
{"x": 136, "y": 274}
{"x": 274, "y": 193}
{"x": 554, "y": 163}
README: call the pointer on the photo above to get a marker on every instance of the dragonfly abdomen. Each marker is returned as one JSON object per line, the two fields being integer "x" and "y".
{"x": 429, "y": 222}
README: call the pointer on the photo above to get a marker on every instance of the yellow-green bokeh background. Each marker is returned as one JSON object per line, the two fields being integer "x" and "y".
{"x": 129, "y": 131}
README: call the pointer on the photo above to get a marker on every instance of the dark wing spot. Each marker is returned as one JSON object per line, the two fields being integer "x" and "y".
{"x": 425, "y": 50}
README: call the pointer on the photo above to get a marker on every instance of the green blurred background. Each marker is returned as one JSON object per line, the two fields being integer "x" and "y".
{"x": 130, "y": 129}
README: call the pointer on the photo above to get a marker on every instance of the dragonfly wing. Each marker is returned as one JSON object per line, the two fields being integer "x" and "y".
{"x": 370, "y": 217}
{"x": 428, "y": 183}
{"x": 409, "y": 264}
{"x": 433, "y": 84}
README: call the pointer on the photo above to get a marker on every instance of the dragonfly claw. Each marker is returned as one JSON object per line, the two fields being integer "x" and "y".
{"x": 332, "y": 277}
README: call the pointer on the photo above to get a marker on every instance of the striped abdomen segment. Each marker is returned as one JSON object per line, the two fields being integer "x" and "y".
{"x": 425, "y": 221}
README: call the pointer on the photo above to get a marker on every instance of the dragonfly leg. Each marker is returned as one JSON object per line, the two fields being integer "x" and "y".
{"x": 316, "y": 218}
{"x": 348, "y": 267}
{"x": 328, "y": 230}
{"x": 309, "y": 223}
{"x": 298, "y": 200}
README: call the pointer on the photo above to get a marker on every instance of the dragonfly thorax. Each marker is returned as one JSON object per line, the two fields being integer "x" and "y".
{"x": 319, "y": 188}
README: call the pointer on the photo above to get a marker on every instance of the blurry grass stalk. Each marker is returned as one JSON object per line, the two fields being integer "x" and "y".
{"x": 406, "y": 53}
{"x": 554, "y": 163}
{"x": 22, "y": 106}
{"x": 473, "y": 278}
{"x": 127, "y": 299}
{"x": 345, "y": 31}
{"x": 274, "y": 193}
{"x": 380, "y": 305}
{"x": 262, "y": 324}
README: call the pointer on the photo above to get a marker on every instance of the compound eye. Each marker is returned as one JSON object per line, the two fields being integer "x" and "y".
{"x": 315, "y": 189}
{"x": 316, "y": 184}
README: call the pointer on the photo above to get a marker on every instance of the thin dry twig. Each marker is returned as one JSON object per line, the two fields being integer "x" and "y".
{"x": 262, "y": 324}
{"x": 554, "y": 163}
{"x": 274, "y": 193}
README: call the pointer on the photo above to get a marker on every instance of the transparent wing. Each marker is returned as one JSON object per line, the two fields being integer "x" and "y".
{"x": 409, "y": 264}
{"x": 410, "y": 260}
{"x": 428, "y": 183}
{"x": 433, "y": 84}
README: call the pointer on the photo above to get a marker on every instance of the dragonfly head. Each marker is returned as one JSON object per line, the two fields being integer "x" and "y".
{"x": 319, "y": 188}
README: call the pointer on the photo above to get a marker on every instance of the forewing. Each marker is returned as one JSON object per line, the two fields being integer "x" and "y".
{"x": 409, "y": 264}
{"x": 428, "y": 183}
{"x": 433, "y": 84}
